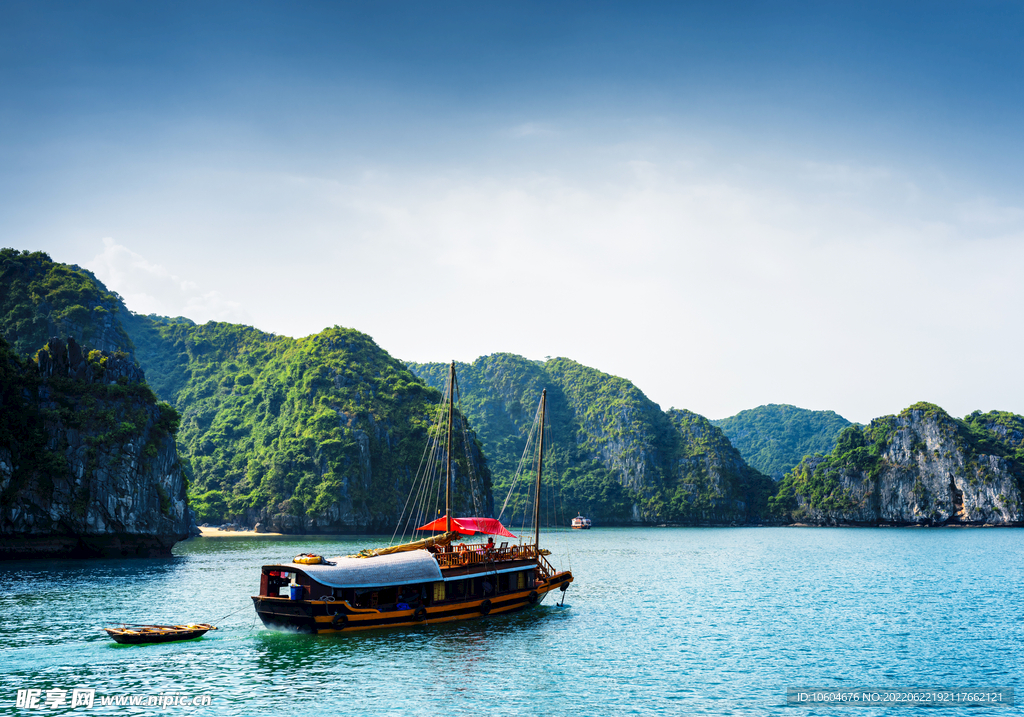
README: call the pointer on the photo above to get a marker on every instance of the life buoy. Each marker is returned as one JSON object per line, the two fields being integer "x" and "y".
{"x": 420, "y": 614}
{"x": 462, "y": 547}
{"x": 340, "y": 620}
{"x": 533, "y": 597}
{"x": 485, "y": 607}
{"x": 308, "y": 559}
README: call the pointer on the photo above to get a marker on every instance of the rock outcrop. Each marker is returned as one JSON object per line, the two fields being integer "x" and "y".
{"x": 921, "y": 467}
{"x": 88, "y": 465}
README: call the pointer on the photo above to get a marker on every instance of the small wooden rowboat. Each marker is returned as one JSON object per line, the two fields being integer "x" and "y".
{"x": 147, "y": 634}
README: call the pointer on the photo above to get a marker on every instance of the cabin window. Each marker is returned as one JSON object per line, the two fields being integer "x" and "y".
{"x": 456, "y": 589}
{"x": 439, "y": 593}
{"x": 520, "y": 580}
{"x": 387, "y": 596}
{"x": 503, "y": 583}
{"x": 409, "y": 595}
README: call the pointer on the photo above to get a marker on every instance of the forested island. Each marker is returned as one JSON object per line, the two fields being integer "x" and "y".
{"x": 322, "y": 435}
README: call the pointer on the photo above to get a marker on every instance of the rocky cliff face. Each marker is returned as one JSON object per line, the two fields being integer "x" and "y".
{"x": 93, "y": 469}
{"x": 922, "y": 467}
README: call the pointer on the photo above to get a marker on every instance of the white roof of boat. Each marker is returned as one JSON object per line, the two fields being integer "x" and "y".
{"x": 414, "y": 566}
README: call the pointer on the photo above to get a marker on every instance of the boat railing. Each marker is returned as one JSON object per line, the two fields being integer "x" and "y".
{"x": 545, "y": 566}
{"x": 475, "y": 554}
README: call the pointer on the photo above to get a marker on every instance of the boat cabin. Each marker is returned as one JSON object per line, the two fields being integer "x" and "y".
{"x": 402, "y": 587}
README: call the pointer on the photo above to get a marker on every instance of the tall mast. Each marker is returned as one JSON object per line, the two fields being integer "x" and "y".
{"x": 540, "y": 468}
{"x": 448, "y": 476}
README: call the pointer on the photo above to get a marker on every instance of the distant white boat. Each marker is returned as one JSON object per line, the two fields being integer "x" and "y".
{"x": 580, "y": 523}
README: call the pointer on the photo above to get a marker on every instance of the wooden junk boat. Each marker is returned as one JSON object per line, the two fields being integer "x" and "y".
{"x": 426, "y": 581}
{"x": 128, "y": 634}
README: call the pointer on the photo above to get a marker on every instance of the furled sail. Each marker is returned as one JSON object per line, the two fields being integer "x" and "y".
{"x": 406, "y": 547}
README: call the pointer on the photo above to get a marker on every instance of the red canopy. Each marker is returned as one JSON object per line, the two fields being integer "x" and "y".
{"x": 470, "y": 526}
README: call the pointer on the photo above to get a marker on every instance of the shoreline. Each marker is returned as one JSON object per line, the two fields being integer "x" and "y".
{"x": 217, "y": 533}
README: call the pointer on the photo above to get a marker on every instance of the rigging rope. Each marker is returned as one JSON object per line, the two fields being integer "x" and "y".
{"x": 526, "y": 461}
{"x": 423, "y": 472}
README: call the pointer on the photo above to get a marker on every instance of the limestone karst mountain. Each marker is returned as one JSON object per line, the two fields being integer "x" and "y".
{"x": 615, "y": 455}
{"x": 324, "y": 433}
{"x": 921, "y": 467}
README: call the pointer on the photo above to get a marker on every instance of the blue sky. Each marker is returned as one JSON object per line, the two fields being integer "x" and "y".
{"x": 730, "y": 204}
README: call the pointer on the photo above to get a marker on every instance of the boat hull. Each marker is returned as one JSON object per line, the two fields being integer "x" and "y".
{"x": 152, "y": 637}
{"x": 321, "y": 617}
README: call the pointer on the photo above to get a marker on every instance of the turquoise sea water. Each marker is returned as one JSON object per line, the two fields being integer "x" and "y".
{"x": 659, "y": 621}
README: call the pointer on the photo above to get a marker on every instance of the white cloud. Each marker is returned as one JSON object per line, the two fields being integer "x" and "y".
{"x": 845, "y": 287}
{"x": 714, "y": 284}
{"x": 149, "y": 288}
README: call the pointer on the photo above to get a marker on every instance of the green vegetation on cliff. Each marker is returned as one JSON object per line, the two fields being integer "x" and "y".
{"x": 712, "y": 475}
{"x": 1004, "y": 429}
{"x": 775, "y": 438}
{"x": 166, "y": 368}
{"x": 325, "y": 432}
{"x": 499, "y": 396}
{"x": 40, "y": 299}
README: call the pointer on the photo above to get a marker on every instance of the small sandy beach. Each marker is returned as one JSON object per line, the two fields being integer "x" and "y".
{"x": 216, "y": 532}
